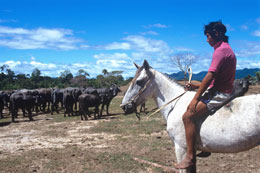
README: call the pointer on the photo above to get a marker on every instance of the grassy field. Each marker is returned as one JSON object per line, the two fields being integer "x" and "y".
{"x": 106, "y": 145}
{"x": 53, "y": 143}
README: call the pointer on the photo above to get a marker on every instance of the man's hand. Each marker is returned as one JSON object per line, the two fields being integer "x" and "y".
{"x": 190, "y": 86}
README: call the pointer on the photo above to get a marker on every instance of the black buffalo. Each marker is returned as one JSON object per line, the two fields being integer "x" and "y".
{"x": 24, "y": 99}
{"x": 76, "y": 93}
{"x": 44, "y": 98}
{"x": 3, "y": 102}
{"x": 106, "y": 95}
{"x": 68, "y": 101}
{"x": 56, "y": 98}
{"x": 86, "y": 101}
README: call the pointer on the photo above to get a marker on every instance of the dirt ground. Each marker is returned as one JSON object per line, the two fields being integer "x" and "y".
{"x": 52, "y": 144}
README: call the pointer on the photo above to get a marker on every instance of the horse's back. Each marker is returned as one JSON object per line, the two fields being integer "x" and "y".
{"x": 230, "y": 129}
{"x": 233, "y": 128}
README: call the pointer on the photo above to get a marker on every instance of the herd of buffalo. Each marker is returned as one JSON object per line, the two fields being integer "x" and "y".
{"x": 47, "y": 98}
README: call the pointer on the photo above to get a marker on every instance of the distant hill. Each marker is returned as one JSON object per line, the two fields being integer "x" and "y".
{"x": 199, "y": 76}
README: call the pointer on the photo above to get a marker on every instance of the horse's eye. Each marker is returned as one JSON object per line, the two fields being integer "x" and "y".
{"x": 140, "y": 83}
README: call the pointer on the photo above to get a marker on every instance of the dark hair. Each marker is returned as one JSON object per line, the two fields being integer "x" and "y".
{"x": 218, "y": 26}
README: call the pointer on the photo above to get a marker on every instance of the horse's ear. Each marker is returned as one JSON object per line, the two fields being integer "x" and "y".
{"x": 146, "y": 65}
{"x": 137, "y": 66}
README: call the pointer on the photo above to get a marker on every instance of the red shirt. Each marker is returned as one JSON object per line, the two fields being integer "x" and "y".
{"x": 223, "y": 64}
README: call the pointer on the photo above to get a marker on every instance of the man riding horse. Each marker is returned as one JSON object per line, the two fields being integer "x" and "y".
{"x": 213, "y": 90}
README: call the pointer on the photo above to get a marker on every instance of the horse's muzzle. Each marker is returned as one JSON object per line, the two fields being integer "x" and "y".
{"x": 128, "y": 109}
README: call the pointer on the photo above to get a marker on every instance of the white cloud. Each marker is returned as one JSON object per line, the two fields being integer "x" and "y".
{"x": 40, "y": 65}
{"x": 84, "y": 46}
{"x": 229, "y": 28}
{"x": 42, "y": 34}
{"x": 111, "y": 63}
{"x": 8, "y": 30}
{"x": 248, "y": 63}
{"x": 251, "y": 50}
{"x": 113, "y": 56}
{"x": 143, "y": 44}
{"x": 115, "y": 45}
{"x": 149, "y": 33}
{"x": 40, "y": 38}
{"x": 12, "y": 64}
{"x": 157, "y": 25}
{"x": 256, "y": 33}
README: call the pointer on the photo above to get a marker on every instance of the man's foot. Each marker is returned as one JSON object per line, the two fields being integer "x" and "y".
{"x": 185, "y": 163}
{"x": 204, "y": 154}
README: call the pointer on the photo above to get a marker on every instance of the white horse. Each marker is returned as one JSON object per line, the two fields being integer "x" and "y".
{"x": 229, "y": 130}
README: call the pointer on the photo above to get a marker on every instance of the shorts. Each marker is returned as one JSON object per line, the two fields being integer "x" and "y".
{"x": 213, "y": 98}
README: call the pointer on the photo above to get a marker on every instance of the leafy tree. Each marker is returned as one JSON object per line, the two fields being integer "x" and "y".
{"x": 105, "y": 72}
{"x": 116, "y": 73}
{"x": 100, "y": 81}
{"x": 82, "y": 72}
{"x": 36, "y": 77}
{"x": 10, "y": 80}
{"x": 36, "y": 73}
{"x": 66, "y": 76}
{"x": 80, "y": 80}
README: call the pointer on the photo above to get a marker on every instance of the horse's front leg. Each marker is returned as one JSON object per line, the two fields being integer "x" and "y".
{"x": 180, "y": 154}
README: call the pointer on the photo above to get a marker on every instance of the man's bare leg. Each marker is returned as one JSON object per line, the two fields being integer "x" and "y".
{"x": 189, "y": 118}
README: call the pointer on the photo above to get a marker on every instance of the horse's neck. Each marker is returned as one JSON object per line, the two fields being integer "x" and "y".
{"x": 166, "y": 90}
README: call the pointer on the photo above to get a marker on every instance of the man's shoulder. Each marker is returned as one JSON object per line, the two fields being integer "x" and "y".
{"x": 224, "y": 48}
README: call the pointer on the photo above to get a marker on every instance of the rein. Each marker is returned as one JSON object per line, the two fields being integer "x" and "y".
{"x": 163, "y": 106}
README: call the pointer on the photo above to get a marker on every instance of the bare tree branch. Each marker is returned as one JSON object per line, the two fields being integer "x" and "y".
{"x": 183, "y": 62}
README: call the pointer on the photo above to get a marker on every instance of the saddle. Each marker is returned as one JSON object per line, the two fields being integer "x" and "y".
{"x": 240, "y": 87}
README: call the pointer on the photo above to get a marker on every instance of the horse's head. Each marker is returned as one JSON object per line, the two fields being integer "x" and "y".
{"x": 139, "y": 89}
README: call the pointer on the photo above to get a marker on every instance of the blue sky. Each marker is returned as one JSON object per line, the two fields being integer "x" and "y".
{"x": 58, "y": 35}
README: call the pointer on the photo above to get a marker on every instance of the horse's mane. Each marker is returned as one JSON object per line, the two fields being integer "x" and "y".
{"x": 174, "y": 81}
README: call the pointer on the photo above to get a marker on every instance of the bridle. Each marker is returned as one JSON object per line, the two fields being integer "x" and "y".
{"x": 132, "y": 101}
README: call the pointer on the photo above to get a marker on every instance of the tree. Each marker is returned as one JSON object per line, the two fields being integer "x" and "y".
{"x": 258, "y": 76}
{"x": 100, "y": 81}
{"x": 105, "y": 72}
{"x": 183, "y": 62}
{"x": 4, "y": 67}
{"x": 66, "y": 76}
{"x": 35, "y": 77}
{"x": 116, "y": 73}
{"x": 82, "y": 72}
{"x": 80, "y": 80}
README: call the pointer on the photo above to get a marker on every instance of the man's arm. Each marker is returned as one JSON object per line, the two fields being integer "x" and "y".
{"x": 203, "y": 86}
